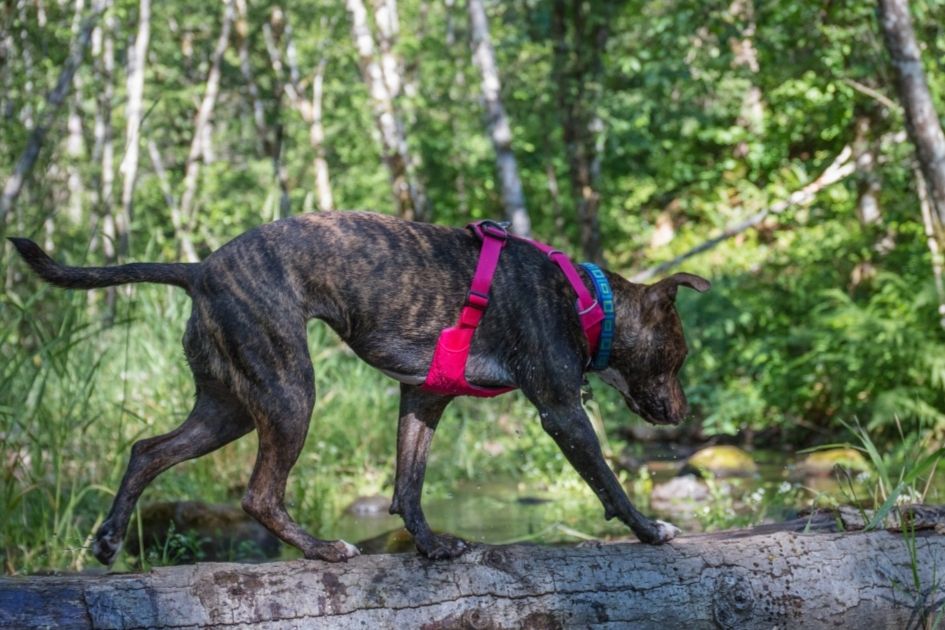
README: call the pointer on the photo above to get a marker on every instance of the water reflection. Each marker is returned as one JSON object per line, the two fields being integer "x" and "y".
{"x": 504, "y": 511}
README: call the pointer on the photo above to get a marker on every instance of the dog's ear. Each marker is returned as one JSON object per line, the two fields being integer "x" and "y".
{"x": 665, "y": 290}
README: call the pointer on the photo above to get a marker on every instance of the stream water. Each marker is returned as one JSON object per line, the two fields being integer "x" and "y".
{"x": 504, "y": 510}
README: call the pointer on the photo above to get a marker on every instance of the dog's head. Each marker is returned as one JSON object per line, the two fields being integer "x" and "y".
{"x": 649, "y": 347}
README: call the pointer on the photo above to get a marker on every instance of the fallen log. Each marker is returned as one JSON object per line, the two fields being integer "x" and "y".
{"x": 802, "y": 573}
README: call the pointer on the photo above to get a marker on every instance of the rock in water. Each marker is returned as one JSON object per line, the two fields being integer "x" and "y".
{"x": 183, "y": 532}
{"x": 723, "y": 461}
{"x": 822, "y": 463}
{"x": 374, "y": 505}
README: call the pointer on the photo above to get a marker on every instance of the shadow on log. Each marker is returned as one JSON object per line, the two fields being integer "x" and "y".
{"x": 803, "y": 573}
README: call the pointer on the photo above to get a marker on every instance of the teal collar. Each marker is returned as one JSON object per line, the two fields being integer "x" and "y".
{"x": 605, "y": 297}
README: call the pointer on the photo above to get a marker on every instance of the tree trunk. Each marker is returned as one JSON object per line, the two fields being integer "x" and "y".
{"x": 388, "y": 28}
{"x": 75, "y": 143}
{"x": 103, "y": 48}
{"x": 579, "y": 36}
{"x": 14, "y": 183}
{"x": 134, "y": 116}
{"x": 922, "y": 123}
{"x": 269, "y": 141}
{"x": 246, "y": 69}
{"x": 751, "y": 117}
{"x": 198, "y": 150}
{"x": 316, "y": 136}
{"x": 401, "y": 81}
{"x": 933, "y": 239}
{"x": 497, "y": 121}
{"x": 868, "y": 183}
{"x": 771, "y": 577}
{"x": 408, "y": 194}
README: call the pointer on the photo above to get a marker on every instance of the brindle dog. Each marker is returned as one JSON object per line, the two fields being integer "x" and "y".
{"x": 387, "y": 287}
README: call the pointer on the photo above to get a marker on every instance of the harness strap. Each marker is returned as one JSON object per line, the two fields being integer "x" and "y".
{"x": 447, "y": 374}
{"x": 589, "y": 310}
{"x": 494, "y": 237}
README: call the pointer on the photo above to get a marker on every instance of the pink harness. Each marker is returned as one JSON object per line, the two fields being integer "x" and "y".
{"x": 447, "y": 373}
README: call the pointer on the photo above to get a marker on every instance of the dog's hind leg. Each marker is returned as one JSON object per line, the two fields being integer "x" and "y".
{"x": 420, "y": 412}
{"x": 282, "y": 409}
{"x": 216, "y": 419}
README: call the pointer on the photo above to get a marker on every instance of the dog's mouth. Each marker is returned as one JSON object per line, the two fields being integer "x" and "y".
{"x": 666, "y": 418}
{"x": 616, "y": 380}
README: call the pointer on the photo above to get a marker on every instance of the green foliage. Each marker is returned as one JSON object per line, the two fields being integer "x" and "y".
{"x": 814, "y": 318}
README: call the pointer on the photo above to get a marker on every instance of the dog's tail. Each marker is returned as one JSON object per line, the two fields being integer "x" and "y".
{"x": 52, "y": 272}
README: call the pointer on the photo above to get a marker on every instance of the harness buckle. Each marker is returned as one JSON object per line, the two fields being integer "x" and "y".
{"x": 477, "y": 300}
{"x": 495, "y": 229}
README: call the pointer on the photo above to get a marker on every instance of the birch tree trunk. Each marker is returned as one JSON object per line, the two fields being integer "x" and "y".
{"x": 400, "y": 83}
{"x": 75, "y": 143}
{"x": 198, "y": 150}
{"x": 137, "y": 60}
{"x": 317, "y": 138}
{"x": 922, "y": 122}
{"x": 388, "y": 28}
{"x": 933, "y": 239}
{"x": 310, "y": 111}
{"x": 408, "y": 193}
{"x": 103, "y": 48}
{"x": 497, "y": 121}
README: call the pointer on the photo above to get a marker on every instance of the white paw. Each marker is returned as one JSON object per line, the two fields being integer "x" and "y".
{"x": 106, "y": 549}
{"x": 667, "y": 531}
{"x": 350, "y": 550}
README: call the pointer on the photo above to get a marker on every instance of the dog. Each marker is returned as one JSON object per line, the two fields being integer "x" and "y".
{"x": 388, "y": 287}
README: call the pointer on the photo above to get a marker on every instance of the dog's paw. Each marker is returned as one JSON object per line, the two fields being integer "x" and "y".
{"x": 656, "y": 532}
{"x": 665, "y": 531}
{"x": 106, "y": 546}
{"x": 443, "y": 547}
{"x": 335, "y": 551}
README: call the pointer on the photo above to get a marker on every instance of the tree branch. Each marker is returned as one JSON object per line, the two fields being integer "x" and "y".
{"x": 841, "y": 168}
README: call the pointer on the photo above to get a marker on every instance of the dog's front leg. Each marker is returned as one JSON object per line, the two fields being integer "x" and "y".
{"x": 420, "y": 412}
{"x": 571, "y": 429}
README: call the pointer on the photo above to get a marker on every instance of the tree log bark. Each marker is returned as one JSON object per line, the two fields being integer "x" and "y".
{"x": 797, "y": 574}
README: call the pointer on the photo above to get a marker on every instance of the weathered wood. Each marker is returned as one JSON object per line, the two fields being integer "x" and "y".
{"x": 789, "y": 575}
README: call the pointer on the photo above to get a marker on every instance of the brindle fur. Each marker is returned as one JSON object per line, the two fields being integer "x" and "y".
{"x": 387, "y": 287}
